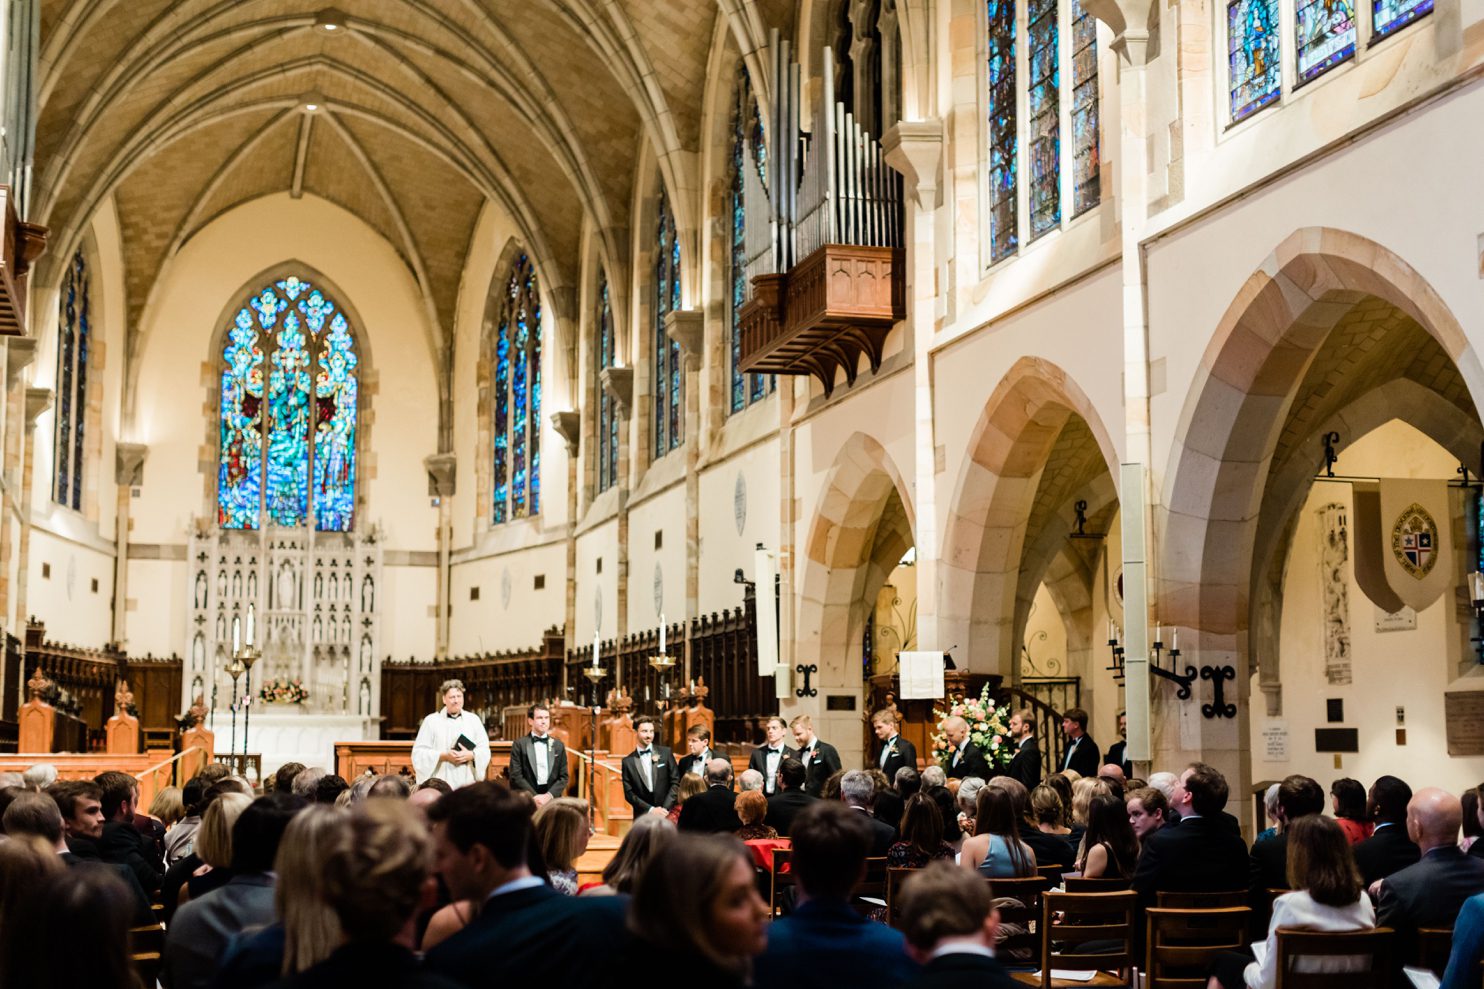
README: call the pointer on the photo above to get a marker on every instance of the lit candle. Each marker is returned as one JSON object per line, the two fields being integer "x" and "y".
{"x": 1175, "y": 638}
{"x": 662, "y": 633}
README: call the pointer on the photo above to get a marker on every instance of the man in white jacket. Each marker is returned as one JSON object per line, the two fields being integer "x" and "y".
{"x": 452, "y": 744}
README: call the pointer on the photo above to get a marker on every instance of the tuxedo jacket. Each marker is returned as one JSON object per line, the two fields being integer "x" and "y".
{"x": 962, "y": 970}
{"x": 1200, "y": 855}
{"x": 697, "y": 764}
{"x": 826, "y": 763}
{"x": 1084, "y": 759}
{"x": 523, "y": 766}
{"x": 783, "y": 806}
{"x": 1388, "y": 850}
{"x": 710, "y": 812}
{"x": 1026, "y": 765}
{"x": 971, "y": 762}
{"x": 664, "y": 773}
{"x": 1115, "y": 757}
{"x": 759, "y": 761}
{"x": 900, "y": 753}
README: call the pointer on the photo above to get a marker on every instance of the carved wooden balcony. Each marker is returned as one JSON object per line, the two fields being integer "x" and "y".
{"x": 21, "y": 245}
{"x": 837, "y": 304}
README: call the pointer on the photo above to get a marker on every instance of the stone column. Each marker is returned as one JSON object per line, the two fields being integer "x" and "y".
{"x": 19, "y": 353}
{"x": 38, "y": 400}
{"x": 687, "y": 328}
{"x": 128, "y": 473}
{"x": 441, "y": 469}
{"x": 569, "y": 426}
{"x": 618, "y": 382}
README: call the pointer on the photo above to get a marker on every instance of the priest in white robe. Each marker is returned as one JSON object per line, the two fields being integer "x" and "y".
{"x": 437, "y": 753}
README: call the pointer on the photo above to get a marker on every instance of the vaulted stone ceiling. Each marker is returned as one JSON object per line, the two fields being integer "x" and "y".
{"x": 408, "y": 113}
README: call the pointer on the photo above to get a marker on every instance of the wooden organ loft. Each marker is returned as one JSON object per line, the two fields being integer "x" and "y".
{"x": 824, "y": 259}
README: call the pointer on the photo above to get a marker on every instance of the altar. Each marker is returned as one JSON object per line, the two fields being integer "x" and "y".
{"x": 293, "y": 733}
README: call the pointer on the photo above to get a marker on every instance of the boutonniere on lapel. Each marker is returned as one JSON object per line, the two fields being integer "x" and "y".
{"x": 654, "y": 758}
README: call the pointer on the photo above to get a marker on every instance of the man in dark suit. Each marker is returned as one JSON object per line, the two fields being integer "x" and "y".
{"x": 1430, "y": 892}
{"x": 1115, "y": 755}
{"x": 790, "y": 798}
{"x": 715, "y": 810}
{"x": 820, "y": 759}
{"x": 950, "y": 923}
{"x": 121, "y": 842}
{"x": 525, "y": 932}
{"x": 964, "y": 759}
{"x": 698, "y": 740}
{"x": 1200, "y": 855}
{"x": 39, "y": 816}
{"x": 856, "y": 791}
{"x": 1389, "y": 849}
{"x": 1082, "y": 754}
{"x": 1025, "y": 765}
{"x": 1268, "y": 866}
{"x": 538, "y": 761}
{"x": 896, "y": 752}
{"x": 766, "y": 757}
{"x": 650, "y": 777}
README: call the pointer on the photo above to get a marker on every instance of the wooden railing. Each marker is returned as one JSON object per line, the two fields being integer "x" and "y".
{"x": 1049, "y": 738}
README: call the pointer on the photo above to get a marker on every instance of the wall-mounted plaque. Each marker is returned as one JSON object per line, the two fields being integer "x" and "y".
{"x": 1463, "y": 719}
{"x": 1336, "y": 740}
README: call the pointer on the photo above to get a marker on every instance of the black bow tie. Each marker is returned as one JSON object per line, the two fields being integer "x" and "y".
{"x": 644, "y": 752}
{"x": 540, "y": 739}
{"x": 775, "y": 751}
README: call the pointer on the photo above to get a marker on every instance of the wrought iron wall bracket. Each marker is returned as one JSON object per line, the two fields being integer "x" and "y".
{"x": 808, "y": 671}
{"x": 1184, "y": 681}
{"x": 1218, "y": 708}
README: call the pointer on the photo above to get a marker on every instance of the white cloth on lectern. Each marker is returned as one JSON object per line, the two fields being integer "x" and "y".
{"x": 437, "y": 734}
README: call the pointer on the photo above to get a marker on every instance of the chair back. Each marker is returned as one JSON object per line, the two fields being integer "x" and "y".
{"x": 146, "y": 948}
{"x": 1180, "y": 943}
{"x": 1071, "y": 922}
{"x": 1080, "y": 884}
{"x": 780, "y": 878}
{"x": 1365, "y": 958}
{"x": 1181, "y": 900}
{"x": 1434, "y": 945}
{"x": 872, "y": 887}
{"x": 1019, "y": 903}
{"x": 1051, "y": 872}
{"x": 894, "y": 879}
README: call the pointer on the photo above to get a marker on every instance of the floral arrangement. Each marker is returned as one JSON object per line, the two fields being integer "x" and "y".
{"x": 987, "y": 729}
{"x": 283, "y": 691}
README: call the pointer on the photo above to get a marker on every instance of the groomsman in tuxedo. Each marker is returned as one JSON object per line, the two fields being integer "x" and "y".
{"x": 1115, "y": 756}
{"x": 538, "y": 761}
{"x": 896, "y": 751}
{"x": 1082, "y": 752}
{"x": 767, "y": 757}
{"x": 820, "y": 759}
{"x": 650, "y": 776}
{"x": 966, "y": 760}
{"x": 698, "y": 740}
{"x": 1025, "y": 766}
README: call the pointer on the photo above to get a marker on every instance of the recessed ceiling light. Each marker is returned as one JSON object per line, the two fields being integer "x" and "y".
{"x": 329, "y": 20}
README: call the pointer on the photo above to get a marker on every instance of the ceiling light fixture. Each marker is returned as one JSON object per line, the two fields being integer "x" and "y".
{"x": 329, "y": 20}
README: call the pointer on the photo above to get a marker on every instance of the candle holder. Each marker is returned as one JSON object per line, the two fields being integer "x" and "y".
{"x": 662, "y": 662}
{"x": 247, "y": 656}
{"x": 234, "y": 669}
{"x": 1184, "y": 681}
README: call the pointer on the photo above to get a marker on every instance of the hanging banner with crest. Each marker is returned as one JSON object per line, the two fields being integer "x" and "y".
{"x": 1416, "y": 539}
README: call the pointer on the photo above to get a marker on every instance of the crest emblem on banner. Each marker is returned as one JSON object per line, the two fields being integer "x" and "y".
{"x": 1414, "y": 541}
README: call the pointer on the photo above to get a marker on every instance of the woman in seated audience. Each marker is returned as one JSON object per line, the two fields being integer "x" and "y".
{"x": 1062, "y": 784}
{"x": 996, "y": 850}
{"x": 562, "y": 833}
{"x": 306, "y": 930}
{"x": 1048, "y": 811}
{"x": 168, "y": 807}
{"x": 1109, "y": 848}
{"x": 947, "y": 801}
{"x": 27, "y": 866}
{"x": 1270, "y": 806}
{"x": 967, "y": 796}
{"x": 1327, "y": 896}
{"x": 649, "y": 836}
{"x": 690, "y": 785}
{"x": 1148, "y": 811}
{"x": 1348, "y": 797}
{"x": 73, "y": 931}
{"x": 921, "y": 834}
{"x": 1083, "y": 791}
{"x": 752, "y": 807}
{"x": 213, "y": 849}
{"x": 697, "y": 907}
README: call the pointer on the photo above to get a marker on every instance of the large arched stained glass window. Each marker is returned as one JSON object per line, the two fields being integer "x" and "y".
{"x": 1004, "y": 238}
{"x": 289, "y": 399}
{"x": 669, "y": 382}
{"x": 607, "y": 407}
{"x": 748, "y": 151}
{"x": 517, "y": 433}
{"x": 1253, "y": 58}
{"x": 74, "y": 330}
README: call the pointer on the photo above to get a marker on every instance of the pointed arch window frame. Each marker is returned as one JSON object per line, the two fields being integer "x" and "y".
{"x": 74, "y": 350}
{"x": 516, "y": 394}
{"x": 745, "y": 124}
{"x": 605, "y": 355}
{"x": 668, "y": 372}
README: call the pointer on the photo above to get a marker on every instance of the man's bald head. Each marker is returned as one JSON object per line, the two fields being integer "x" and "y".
{"x": 1433, "y": 818}
{"x": 719, "y": 771}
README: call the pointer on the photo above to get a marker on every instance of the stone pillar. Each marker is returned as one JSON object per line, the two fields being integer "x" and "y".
{"x": 569, "y": 427}
{"x": 19, "y": 353}
{"x": 38, "y": 400}
{"x": 441, "y": 469}
{"x": 687, "y": 327}
{"x": 128, "y": 473}
{"x": 618, "y": 382}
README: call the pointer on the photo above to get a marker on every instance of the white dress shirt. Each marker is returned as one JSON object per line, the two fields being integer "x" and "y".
{"x": 771, "y": 759}
{"x": 542, "y": 758}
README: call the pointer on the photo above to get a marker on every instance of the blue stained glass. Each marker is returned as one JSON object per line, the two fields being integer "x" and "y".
{"x": 335, "y": 395}
{"x": 1391, "y": 15}
{"x": 240, "y": 472}
{"x": 1045, "y": 112}
{"x": 74, "y": 331}
{"x": 535, "y": 393}
{"x": 502, "y": 414}
{"x": 1253, "y": 69}
{"x": 518, "y": 417}
{"x": 1086, "y": 157}
{"x": 607, "y": 413}
{"x": 1326, "y": 35}
{"x": 1000, "y": 56}
{"x": 668, "y": 382}
{"x": 287, "y": 488}
{"x": 517, "y": 399}
{"x": 747, "y": 128}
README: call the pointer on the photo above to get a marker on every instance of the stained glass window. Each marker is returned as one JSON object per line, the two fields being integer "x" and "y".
{"x": 1390, "y": 15}
{"x": 669, "y": 382}
{"x": 1252, "y": 55}
{"x": 747, "y": 130}
{"x": 517, "y": 397}
{"x": 1086, "y": 159}
{"x": 1045, "y": 117}
{"x": 74, "y": 330}
{"x": 284, "y": 330}
{"x": 1326, "y": 35}
{"x": 607, "y": 407}
{"x": 1003, "y": 237}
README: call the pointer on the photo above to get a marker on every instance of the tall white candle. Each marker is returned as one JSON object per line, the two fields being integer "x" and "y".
{"x": 597, "y": 648}
{"x": 662, "y": 633}
{"x": 251, "y": 625}
{"x": 236, "y": 633}
{"x": 1175, "y": 638}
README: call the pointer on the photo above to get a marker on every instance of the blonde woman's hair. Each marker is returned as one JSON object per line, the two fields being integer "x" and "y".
{"x": 311, "y": 929}
{"x": 1083, "y": 790}
{"x": 690, "y": 785}
{"x": 214, "y": 837}
{"x": 560, "y": 826}
{"x": 168, "y": 806}
{"x": 674, "y": 897}
{"x": 649, "y": 836}
{"x": 375, "y": 867}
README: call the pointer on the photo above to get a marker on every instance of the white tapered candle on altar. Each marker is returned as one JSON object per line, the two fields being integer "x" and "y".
{"x": 662, "y": 633}
{"x": 252, "y": 623}
{"x": 1175, "y": 638}
{"x": 236, "y": 634}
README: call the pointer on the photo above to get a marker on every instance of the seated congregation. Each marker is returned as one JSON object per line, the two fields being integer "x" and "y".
{"x": 917, "y": 880}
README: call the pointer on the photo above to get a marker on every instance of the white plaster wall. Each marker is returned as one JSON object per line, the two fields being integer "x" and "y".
{"x": 1408, "y": 669}
{"x": 649, "y": 567}
{"x": 157, "y": 621}
{"x": 407, "y": 622}
{"x": 723, "y": 548}
{"x": 596, "y": 592}
{"x": 73, "y": 611}
{"x": 1045, "y": 638}
{"x": 492, "y": 624}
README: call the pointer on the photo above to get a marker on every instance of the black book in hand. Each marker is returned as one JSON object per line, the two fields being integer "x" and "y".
{"x": 462, "y": 742}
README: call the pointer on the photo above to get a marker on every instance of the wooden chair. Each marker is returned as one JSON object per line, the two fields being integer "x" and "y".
{"x": 780, "y": 878}
{"x": 146, "y": 946}
{"x": 1080, "y": 884}
{"x": 1051, "y": 872}
{"x": 894, "y": 880}
{"x": 1180, "y": 944}
{"x": 1071, "y": 920}
{"x": 872, "y": 885}
{"x": 1020, "y": 940}
{"x": 1434, "y": 945}
{"x": 1375, "y": 944}
{"x": 1201, "y": 901}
